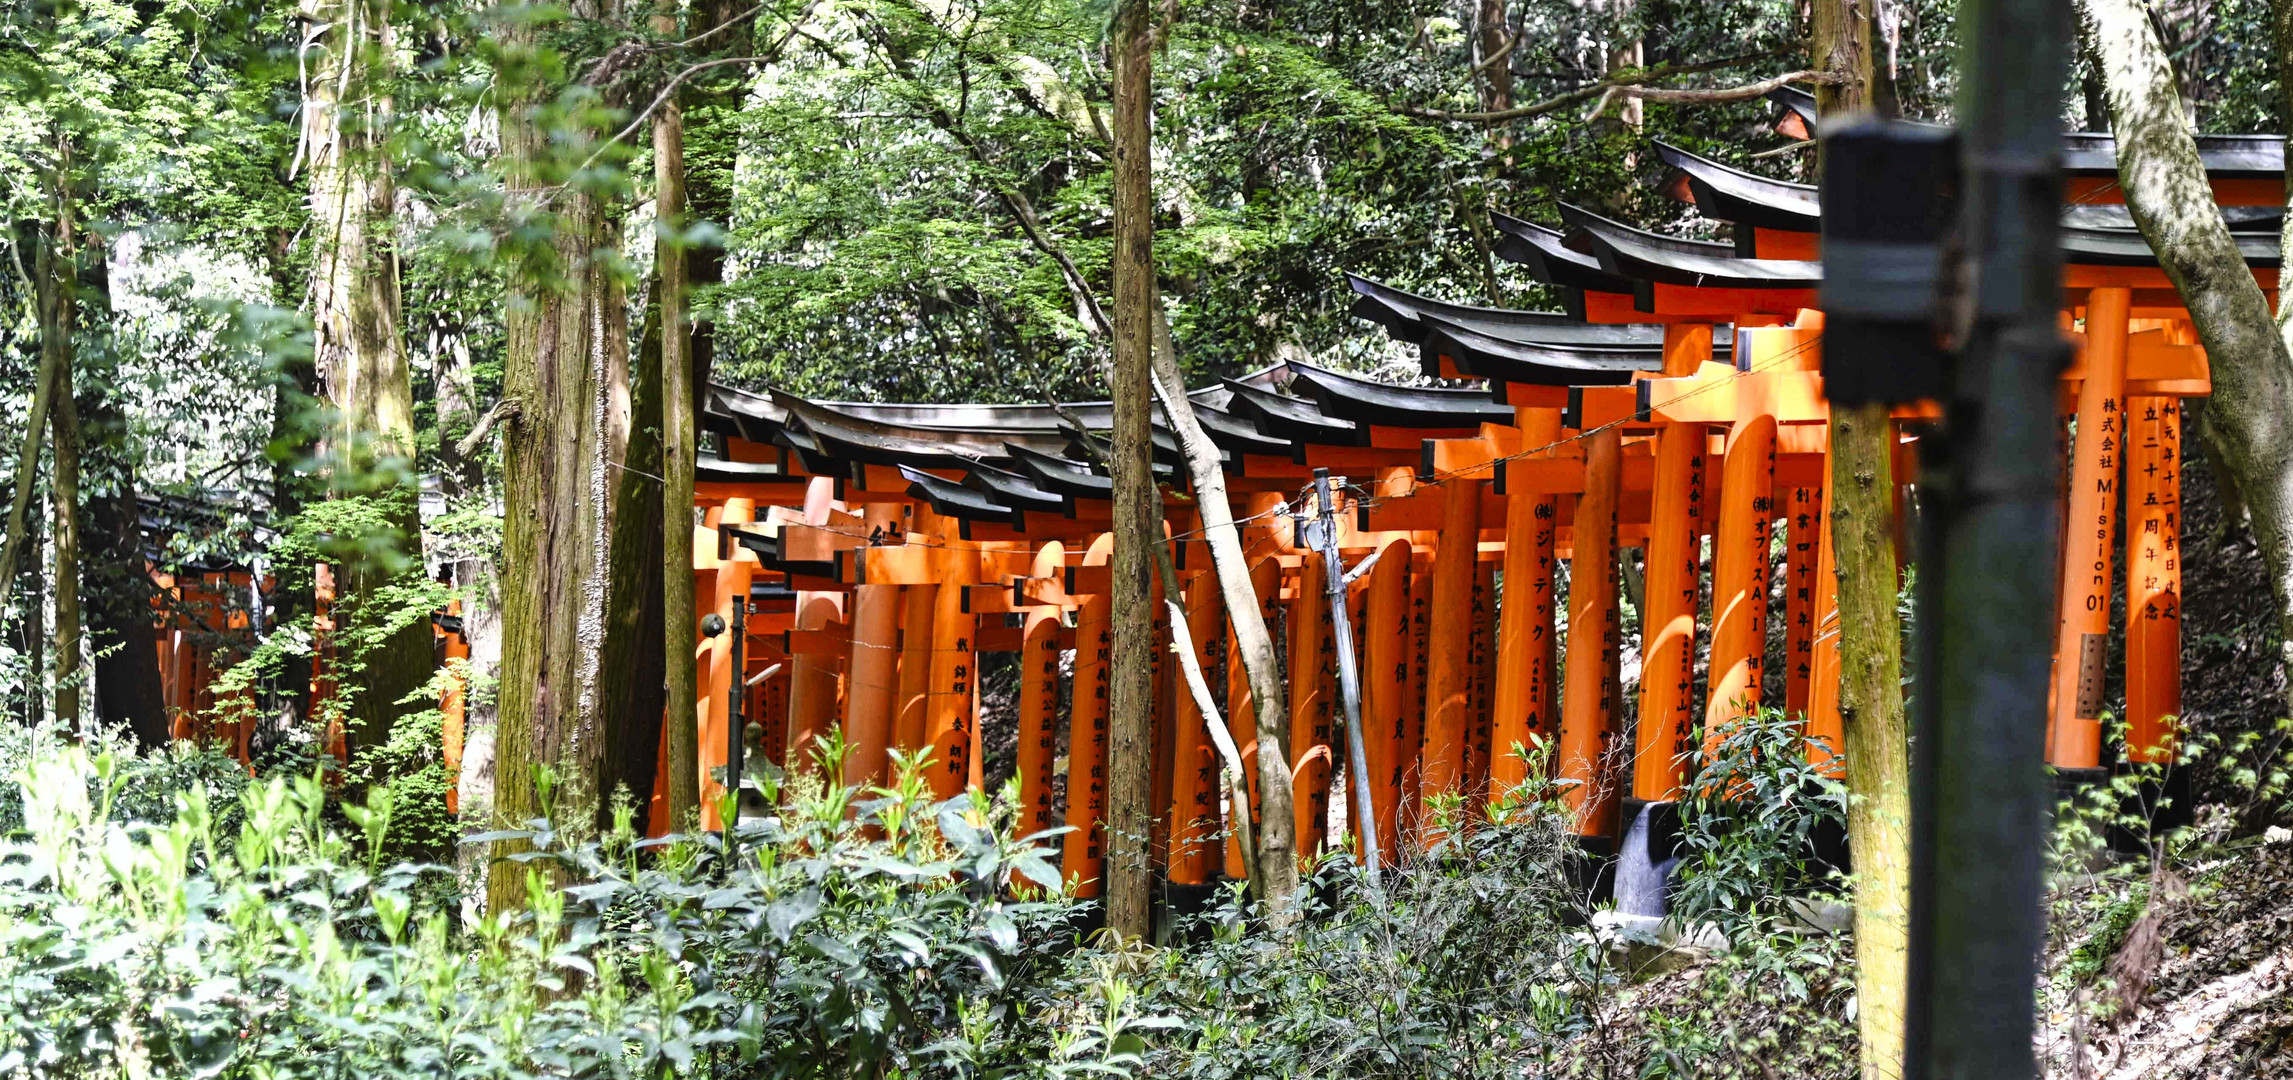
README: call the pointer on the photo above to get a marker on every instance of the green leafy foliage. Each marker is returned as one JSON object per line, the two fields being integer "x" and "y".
{"x": 1758, "y": 797}
{"x": 271, "y": 943}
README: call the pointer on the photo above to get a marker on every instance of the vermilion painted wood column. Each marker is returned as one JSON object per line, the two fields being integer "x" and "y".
{"x": 948, "y": 708}
{"x": 1803, "y": 539}
{"x": 1038, "y": 748}
{"x": 1740, "y": 573}
{"x": 1313, "y": 659}
{"x": 1523, "y": 709}
{"x": 2082, "y": 641}
{"x": 1412, "y": 746}
{"x": 1449, "y": 642}
{"x": 1083, "y": 857}
{"x": 1826, "y": 730}
{"x": 1667, "y": 727}
{"x": 1194, "y": 763}
{"x": 917, "y": 603}
{"x": 872, "y": 678}
{"x": 1386, "y": 667}
{"x": 1589, "y": 692}
{"x": 732, "y": 578}
{"x": 2153, "y": 577}
{"x": 1480, "y": 715}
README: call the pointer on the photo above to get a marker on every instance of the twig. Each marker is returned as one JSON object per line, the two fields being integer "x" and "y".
{"x": 1568, "y": 98}
{"x": 1787, "y": 148}
{"x": 1497, "y": 57}
{"x": 507, "y": 408}
{"x": 1675, "y": 96}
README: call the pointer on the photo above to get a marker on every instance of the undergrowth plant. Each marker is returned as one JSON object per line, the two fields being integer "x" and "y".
{"x": 893, "y": 940}
{"x": 1757, "y": 800}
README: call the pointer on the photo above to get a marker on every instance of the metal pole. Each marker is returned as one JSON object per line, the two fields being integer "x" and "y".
{"x": 736, "y": 728}
{"x": 1349, "y": 681}
{"x": 1989, "y": 550}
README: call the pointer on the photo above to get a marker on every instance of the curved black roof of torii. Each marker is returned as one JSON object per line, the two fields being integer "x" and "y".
{"x": 1726, "y": 193}
{"x": 1543, "y": 348}
{"x": 2092, "y": 153}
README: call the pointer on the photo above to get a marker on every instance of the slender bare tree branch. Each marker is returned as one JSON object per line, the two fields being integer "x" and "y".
{"x": 1621, "y": 79}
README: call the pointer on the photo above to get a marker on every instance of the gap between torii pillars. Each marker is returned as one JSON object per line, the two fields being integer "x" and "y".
{"x": 734, "y": 571}
{"x": 2082, "y": 635}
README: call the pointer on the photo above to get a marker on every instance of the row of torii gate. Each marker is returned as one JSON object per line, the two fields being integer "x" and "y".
{"x": 1676, "y": 403}
{"x": 1676, "y": 406}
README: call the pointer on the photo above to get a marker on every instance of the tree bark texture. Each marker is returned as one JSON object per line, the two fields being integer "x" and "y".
{"x": 635, "y": 660}
{"x": 1137, "y": 516}
{"x": 565, "y": 342}
{"x": 678, "y": 447}
{"x": 115, "y": 581}
{"x": 58, "y": 311}
{"x": 358, "y": 345}
{"x": 1875, "y": 727}
{"x": 2248, "y": 423}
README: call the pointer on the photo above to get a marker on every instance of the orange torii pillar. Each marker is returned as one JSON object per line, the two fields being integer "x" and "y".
{"x": 1479, "y": 715}
{"x": 1803, "y": 540}
{"x": 1666, "y": 733}
{"x": 1038, "y": 748}
{"x": 949, "y": 710}
{"x": 1412, "y": 748}
{"x": 1194, "y": 761}
{"x": 1589, "y": 694}
{"x": 1449, "y": 659}
{"x": 1083, "y": 856}
{"x": 1313, "y": 660}
{"x": 1740, "y": 572}
{"x": 1242, "y": 714}
{"x": 872, "y": 672}
{"x": 1386, "y": 661}
{"x": 2153, "y": 577}
{"x": 917, "y": 603}
{"x": 1523, "y": 705}
{"x": 729, "y": 579}
{"x": 453, "y": 707}
{"x": 2082, "y": 638}
{"x": 813, "y": 681}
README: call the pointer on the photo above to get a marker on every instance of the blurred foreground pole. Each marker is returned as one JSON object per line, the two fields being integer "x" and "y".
{"x": 1988, "y": 569}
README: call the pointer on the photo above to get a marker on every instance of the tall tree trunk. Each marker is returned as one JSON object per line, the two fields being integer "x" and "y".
{"x": 293, "y": 589}
{"x": 634, "y": 662}
{"x": 2249, "y": 419}
{"x": 114, "y": 578}
{"x": 678, "y": 446}
{"x": 359, "y": 348}
{"x": 58, "y": 318}
{"x": 1876, "y": 731}
{"x": 1137, "y": 509}
{"x": 565, "y": 348}
{"x": 32, "y": 236}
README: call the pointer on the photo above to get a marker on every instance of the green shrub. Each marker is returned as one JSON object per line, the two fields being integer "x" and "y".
{"x": 1754, "y": 807}
{"x": 883, "y": 942}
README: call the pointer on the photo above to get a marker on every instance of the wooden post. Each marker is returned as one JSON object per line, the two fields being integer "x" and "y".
{"x": 2082, "y": 635}
{"x": 732, "y": 577}
{"x": 1480, "y": 715}
{"x": 1523, "y": 709}
{"x": 1824, "y": 724}
{"x": 1038, "y": 748}
{"x": 917, "y": 604}
{"x": 1385, "y": 684}
{"x": 1084, "y": 855}
{"x": 1667, "y": 730}
{"x": 874, "y": 680}
{"x": 2153, "y": 577}
{"x": 1194, "y": 783}
{"x": 1740, "y": 573}
{"x": 1589, "y": 693}
{"x": 1449, "y": 647}
{"x": 954, "y": 667}
{"x": 1803, "y": 522}
{"x": 1313, "y": 669}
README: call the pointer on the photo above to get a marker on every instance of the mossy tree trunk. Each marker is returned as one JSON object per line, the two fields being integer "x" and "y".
{"x": 564, "y": 383}
{"x": 1876, "y": 730}
{"x": 1138, "y": 518}
{"x": 358, "y": 345}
